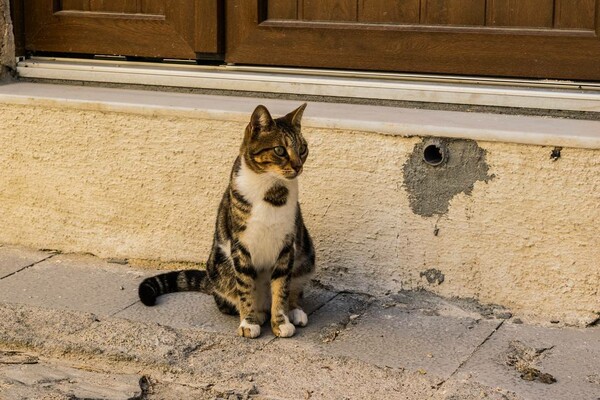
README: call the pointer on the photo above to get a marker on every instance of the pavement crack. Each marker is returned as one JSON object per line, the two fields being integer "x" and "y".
{"x": 440, "y": 384}
{"x": 126, "y": 307}
{"x": 28, "y": 266}
{"x": 324, "y": 304}
{"x": 309, "y": 314}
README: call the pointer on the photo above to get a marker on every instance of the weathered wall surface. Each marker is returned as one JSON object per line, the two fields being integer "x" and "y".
{"x": 7, "y": 42}
{"x": 519, "y": 230}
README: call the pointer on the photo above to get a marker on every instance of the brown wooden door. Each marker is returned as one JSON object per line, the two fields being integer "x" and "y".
{"x": 524, "y": 38}
{"x": 184, "y": 29}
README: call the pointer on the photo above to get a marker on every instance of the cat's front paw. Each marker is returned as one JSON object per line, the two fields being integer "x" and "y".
{"x": 298, "y": 317}
{"x": 282, "y": 327}
{"x": 284, "y": 330}
{"x": 248, "y": 330}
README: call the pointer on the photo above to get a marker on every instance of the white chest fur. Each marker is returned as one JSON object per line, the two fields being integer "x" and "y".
{"x": 268, "y": 225}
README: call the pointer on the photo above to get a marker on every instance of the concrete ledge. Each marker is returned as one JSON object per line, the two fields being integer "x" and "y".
{"x": 384, "y": 120}
{"x": 498, "y": 92}
{"x": 139, "y": 174}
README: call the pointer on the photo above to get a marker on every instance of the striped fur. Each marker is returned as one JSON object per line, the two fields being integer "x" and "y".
{"x": 262, "y": 253}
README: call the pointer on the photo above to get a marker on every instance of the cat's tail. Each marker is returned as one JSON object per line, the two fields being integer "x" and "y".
{"x": 171, "y": 282}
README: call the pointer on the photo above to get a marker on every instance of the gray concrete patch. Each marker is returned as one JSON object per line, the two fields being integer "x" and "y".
{"x": 433, "y": 276}
{"x": 13, "y": 259}
{"x": 433, "y": 304}
{"x": 571, "y": 356}
{"x": 73, "y": 282}
{"x": 430, "y": 344}
{"x": 458, "y": 165}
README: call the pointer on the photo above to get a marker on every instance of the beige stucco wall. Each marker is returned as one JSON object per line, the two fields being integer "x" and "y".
{"x": 124, "y": 185}
{"x": 7, "y": 42}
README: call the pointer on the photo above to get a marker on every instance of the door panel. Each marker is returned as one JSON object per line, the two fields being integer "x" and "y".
{"x": 125, "y": 6}
{"x": 144, "y": 28}
{"x": 152, "y": 6}
{"x": 329, "y": 10}
{"x": 575, "y": 14}
{"x": 515, "y": 38}
{"x": 385, "y": 11}
{"x": 531, "y": 13}
{"x": 283, "y": 9}
{"x": 453, "y": 12}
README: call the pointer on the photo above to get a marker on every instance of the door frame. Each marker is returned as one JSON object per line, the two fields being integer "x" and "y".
{"x": 18, "y": 19}
{"x": 256, "y": 13}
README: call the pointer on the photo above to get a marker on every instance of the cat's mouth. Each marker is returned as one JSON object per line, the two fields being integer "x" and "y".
{"x": 291, "y": 174}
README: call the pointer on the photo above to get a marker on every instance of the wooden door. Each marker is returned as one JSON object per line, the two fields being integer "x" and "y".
{"x": 184, "y": 29}
{"x": 521, "y": 38}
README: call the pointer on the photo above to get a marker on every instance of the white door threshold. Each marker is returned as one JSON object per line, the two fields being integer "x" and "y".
{"x": 495, "y": 92}
{"x": 393, "y": 121}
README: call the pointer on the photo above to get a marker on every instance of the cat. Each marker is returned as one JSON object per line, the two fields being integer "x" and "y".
{"x": 262, "y": 254}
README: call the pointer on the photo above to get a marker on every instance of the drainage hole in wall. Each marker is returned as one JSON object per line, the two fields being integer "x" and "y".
{"x": 433, "y": 155}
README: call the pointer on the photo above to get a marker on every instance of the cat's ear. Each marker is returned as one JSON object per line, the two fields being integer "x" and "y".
{"x": 295, "y": 116}
{"x": 261, "y": 119}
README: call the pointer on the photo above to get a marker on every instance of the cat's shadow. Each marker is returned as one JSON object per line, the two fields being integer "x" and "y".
{"x": 192, "y": 310}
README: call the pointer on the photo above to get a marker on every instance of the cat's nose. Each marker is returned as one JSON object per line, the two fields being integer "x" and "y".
{"x": 296, "y": 165}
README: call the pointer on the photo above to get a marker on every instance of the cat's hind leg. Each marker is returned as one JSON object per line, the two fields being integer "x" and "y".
{"x": 263, "y": 296}
{"x": 225, "y": 306}
{"x": 297, "y": 315}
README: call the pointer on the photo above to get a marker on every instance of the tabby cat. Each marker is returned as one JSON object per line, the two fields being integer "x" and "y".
{"x": 262, "y": 254}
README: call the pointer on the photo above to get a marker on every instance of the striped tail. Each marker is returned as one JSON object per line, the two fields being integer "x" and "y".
{"x": 171, "y": 282}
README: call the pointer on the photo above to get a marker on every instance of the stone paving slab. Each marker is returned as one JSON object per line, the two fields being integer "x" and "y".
{"x": 74, "y": 282}
{"x": 14, "y": 258}
{"x": 67, "y": 306}
{"x": 394, "y": 337}
{"x": 198, "y": 311}
{"x": 571, "y": 356}
{"x": 44, "y": 380}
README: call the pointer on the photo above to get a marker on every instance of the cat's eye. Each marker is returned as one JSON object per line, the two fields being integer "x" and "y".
{"x": 303, "y": 150}
{"x": 280, "y": 151}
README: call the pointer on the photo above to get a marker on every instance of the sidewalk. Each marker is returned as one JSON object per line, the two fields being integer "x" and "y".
{"x": 71, "y": 327}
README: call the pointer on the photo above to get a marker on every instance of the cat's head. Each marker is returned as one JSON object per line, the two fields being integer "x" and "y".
{"x": 275, "y": 145}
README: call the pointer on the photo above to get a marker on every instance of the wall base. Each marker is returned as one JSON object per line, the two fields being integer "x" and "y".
{"x": 510, "y": 224}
